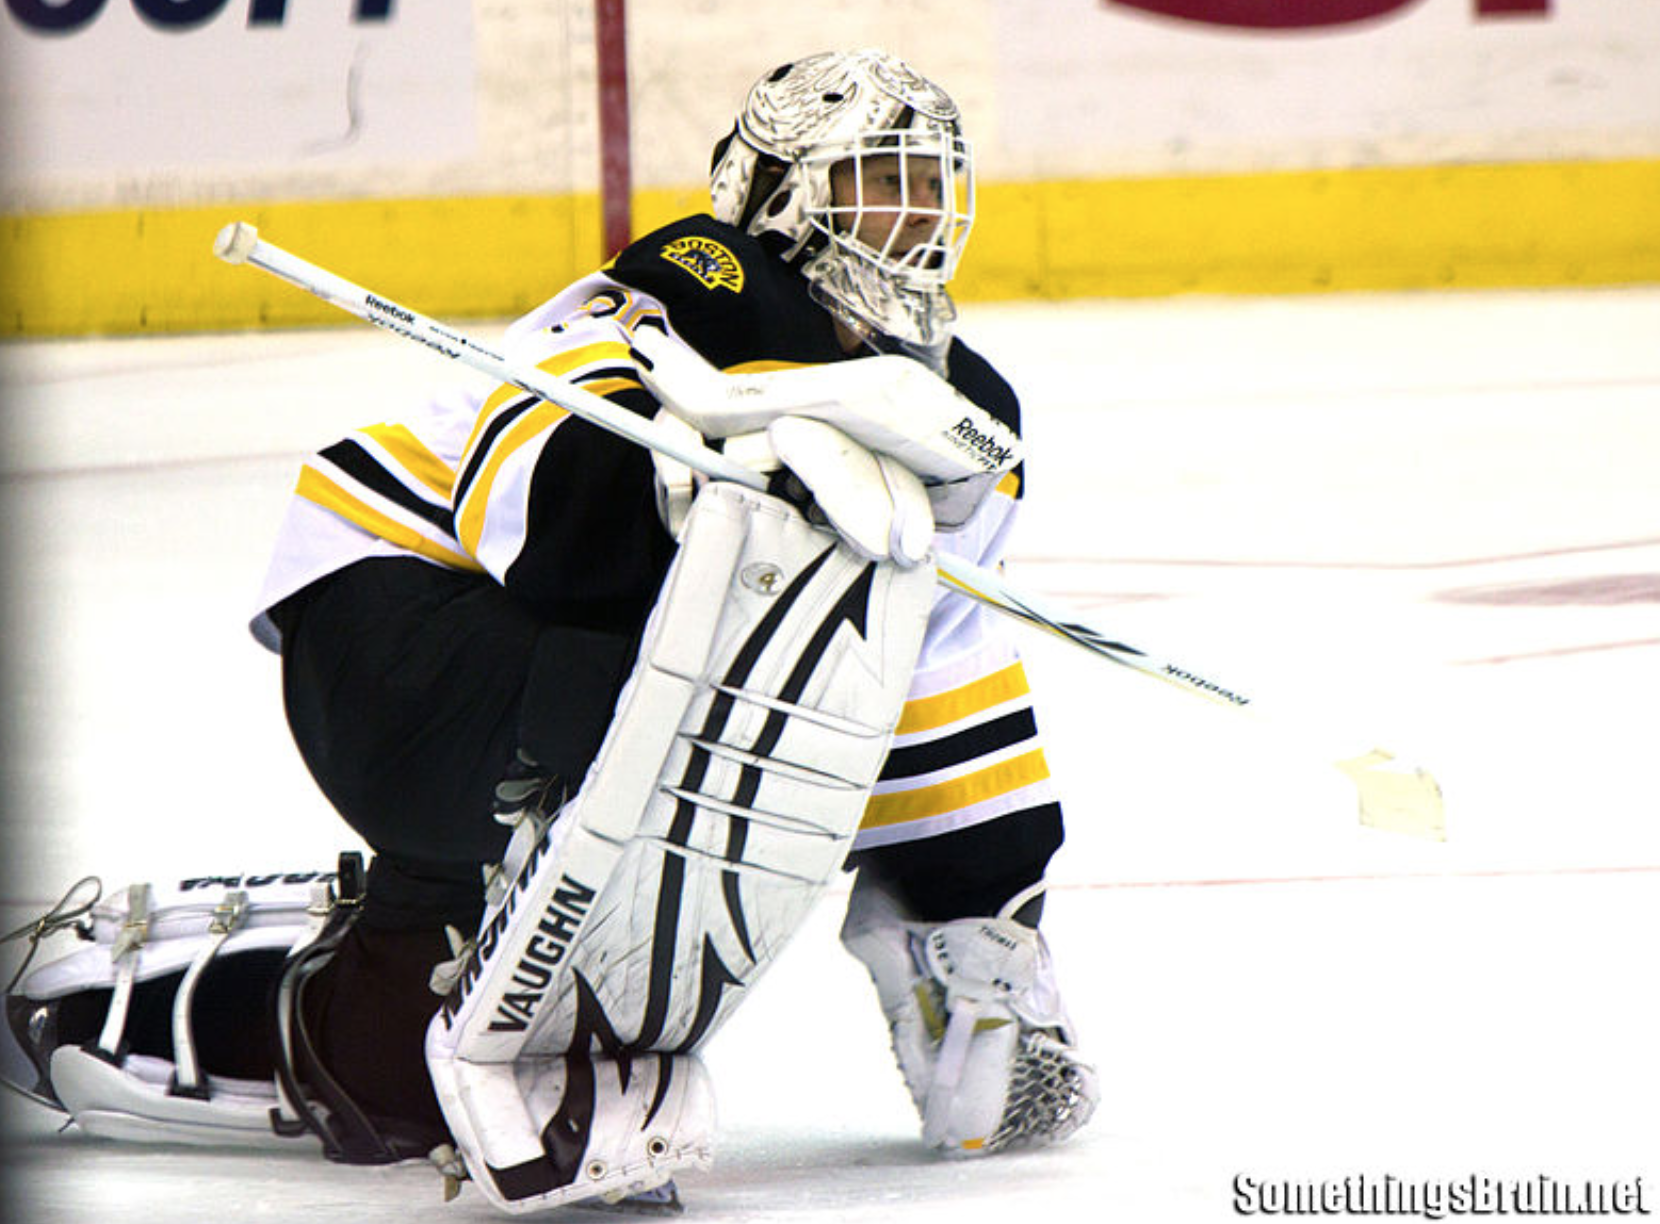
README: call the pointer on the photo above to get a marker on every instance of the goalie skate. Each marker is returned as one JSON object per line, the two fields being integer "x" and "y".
{"x": 722, "y": 803}
{"x": 977, "y": 1025}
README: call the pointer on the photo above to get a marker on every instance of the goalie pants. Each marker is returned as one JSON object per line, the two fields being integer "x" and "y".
{"x": 409, "y": 690}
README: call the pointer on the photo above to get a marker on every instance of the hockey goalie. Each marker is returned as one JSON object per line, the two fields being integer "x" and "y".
{"x": 612, "y": 729}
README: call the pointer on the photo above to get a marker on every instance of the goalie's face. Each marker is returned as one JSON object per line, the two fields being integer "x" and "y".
{"x": 906, "y": 211}
{"x": 890, "y": 204}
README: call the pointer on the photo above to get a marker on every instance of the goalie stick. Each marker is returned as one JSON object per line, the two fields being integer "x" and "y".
{"x": 1394, "y": 795}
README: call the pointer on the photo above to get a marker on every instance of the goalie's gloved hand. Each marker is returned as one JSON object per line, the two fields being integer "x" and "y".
{"x": 872, "y": 501}
{"x": 893, "y": 406}
{"x": 787, "y": 485}
{"x": 527, "y": 786}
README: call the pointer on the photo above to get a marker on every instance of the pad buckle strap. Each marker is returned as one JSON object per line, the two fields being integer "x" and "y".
{"x": 445, "y": 974}
{"x": 136, "y": 929}
{"x": 187, "y": 1073}
{"x": 228, "y": 914}
{"x": 321, "y": 903}
{"x": 125, "y": 951}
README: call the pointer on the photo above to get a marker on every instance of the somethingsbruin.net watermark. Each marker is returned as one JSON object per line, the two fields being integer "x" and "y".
{"x": 1476, "y": 1195}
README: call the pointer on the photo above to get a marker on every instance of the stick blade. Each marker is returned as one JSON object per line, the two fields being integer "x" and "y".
{"x": 1396, "y": 796}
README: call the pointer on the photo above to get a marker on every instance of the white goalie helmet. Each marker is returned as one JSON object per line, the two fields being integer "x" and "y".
{"x": 880, "y": 253}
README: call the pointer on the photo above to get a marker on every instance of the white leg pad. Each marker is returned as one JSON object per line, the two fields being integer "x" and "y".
{"x": 721, "y": 805}
{"x": 570, "y": 1128}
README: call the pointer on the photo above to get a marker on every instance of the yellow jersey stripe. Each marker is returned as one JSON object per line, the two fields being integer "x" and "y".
{"x": 415, "y": 458}
{"x": 503, "y": 394}
{"x": 470, "y": 522}
{"x": 318, "y": 489}
{"x": 613, "y": 352}
{"x": 764, "y": 366}
{"x": 605, "y": 386}
{"x": 634, "y": 313}
{"x": 927, "y": 713}
{"x": 958, "y": 793}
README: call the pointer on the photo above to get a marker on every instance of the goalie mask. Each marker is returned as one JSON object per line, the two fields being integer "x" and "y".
{"x": 860, "y": 164}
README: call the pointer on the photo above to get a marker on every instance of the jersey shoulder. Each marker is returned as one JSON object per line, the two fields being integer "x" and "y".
{"x": 727, "y": 293}
{"x": 690, "y": 258}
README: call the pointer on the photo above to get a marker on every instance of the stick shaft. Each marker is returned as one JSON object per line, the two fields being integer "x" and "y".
{"x": 989, "y": 587}
{"x": 239, "y": 243}
{"x": 410, "y": 324}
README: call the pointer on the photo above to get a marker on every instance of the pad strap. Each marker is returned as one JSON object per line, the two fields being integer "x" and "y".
{"x": 125, "y": 953}
{"x": 891, "y": 405}
{"x": 187, "y": 1073}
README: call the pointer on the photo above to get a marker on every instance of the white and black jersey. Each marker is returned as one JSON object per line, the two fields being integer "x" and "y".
{"x": 565, "y": 515}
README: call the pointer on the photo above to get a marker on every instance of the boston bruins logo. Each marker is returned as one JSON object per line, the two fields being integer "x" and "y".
{"x": 707, "y": 260}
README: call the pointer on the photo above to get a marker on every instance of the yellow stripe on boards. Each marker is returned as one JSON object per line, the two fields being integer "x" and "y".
{"x": 1388, "y": 227}
{"x": 1523, "y": 224}
{"x": 320, "y": 490}
{"x": 927, "y": 713}
{"x": 153, "y": 270}
{"x": 901, "y": 807}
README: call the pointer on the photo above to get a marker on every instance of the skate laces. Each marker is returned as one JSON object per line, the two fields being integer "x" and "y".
{"x": 62, "y": 915}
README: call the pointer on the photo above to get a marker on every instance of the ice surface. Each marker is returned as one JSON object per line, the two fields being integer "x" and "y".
{"x": 1426, "y": 522}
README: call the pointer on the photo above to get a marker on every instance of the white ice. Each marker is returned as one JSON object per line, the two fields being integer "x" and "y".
{"x": 1425, "y": 522}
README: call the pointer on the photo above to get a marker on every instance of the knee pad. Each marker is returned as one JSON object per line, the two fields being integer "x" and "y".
{"x": 977, "y": 1025}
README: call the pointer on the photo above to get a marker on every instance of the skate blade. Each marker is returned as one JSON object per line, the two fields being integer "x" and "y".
{"x": 662, "y": 1200}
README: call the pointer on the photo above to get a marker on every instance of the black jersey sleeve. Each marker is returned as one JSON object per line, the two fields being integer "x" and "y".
{"x": 728, "y": 295}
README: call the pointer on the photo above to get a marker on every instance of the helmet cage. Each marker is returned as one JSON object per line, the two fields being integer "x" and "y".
{"x": 881, "y": 255}
{"x": 908, "y": 204}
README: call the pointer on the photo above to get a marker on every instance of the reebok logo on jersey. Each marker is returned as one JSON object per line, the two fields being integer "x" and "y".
{"x": 708, "y": 260}
{"x": 992, "y": 453}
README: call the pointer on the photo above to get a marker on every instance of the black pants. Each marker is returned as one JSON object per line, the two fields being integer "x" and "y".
{"x": 409, "y": 689}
